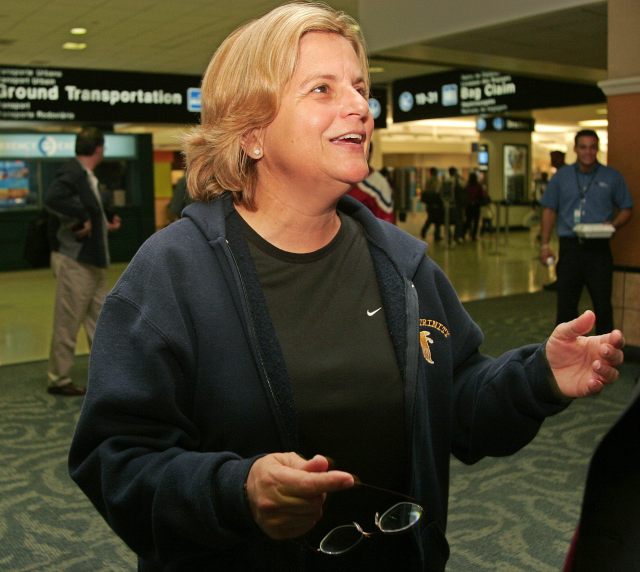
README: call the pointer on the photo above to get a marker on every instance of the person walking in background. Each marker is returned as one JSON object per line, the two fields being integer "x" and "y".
{"x": 433, "y": 204}
{"x": 455, "y": 195}
{"x": 475, "y": 196}
{"x": 79, "y": 257}
{"x": 280, "y": 324}
{"x": 557, "y": 159}
{"x": 375, "y": 192}
{"x": 585, "y": 192}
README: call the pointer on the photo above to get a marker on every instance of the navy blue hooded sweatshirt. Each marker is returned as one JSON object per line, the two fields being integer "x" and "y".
{"x": 184, "y": 395}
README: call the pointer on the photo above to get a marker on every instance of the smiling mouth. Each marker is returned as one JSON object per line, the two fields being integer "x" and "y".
{"x": 354, "y": 138}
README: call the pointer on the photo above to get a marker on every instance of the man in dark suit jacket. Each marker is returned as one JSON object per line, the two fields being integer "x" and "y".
{"x": 80, "y": 255}
{"x": 608, "y": 536}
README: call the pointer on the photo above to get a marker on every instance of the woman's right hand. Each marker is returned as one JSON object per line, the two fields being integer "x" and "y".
{"x": 286, "y": 492}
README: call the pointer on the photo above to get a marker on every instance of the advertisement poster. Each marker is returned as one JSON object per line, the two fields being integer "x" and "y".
{"x": 515, "y": 166}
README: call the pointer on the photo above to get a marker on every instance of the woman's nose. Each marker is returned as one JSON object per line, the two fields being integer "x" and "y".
{"x": 356, "y": 103}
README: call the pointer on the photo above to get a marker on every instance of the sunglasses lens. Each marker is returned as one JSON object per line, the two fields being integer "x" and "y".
{"x": 340, "y": 539}
{"x": 400, "y": 517}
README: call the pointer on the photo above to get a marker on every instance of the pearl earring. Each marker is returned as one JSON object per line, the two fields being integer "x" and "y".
{"x": 257, "y": 151}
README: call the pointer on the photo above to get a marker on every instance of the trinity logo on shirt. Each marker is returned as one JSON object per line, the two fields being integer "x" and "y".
{"x": 425, "y": 337}
{"x": 425, "y": 340}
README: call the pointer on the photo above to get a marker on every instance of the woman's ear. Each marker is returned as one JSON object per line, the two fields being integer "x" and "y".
{"x": 252, "y": 144}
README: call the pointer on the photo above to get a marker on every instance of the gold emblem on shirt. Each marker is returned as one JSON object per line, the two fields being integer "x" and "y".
{"x": 425, "y": 340}
{"x": 425, "y": 337}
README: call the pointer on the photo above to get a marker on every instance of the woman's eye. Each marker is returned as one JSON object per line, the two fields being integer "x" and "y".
{"x": 321, "y": 89}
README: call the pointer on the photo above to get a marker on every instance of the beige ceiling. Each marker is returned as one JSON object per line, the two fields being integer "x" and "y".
{"x": 165, "y": 36}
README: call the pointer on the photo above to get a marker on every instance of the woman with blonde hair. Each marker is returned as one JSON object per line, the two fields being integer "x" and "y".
{"x": 279, "y": 378}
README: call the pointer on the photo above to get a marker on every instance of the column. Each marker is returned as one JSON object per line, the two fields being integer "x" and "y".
{"x": 622, "y": 88}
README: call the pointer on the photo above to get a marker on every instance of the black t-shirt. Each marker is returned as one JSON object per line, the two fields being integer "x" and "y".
{"x": 329, "y": 319}
{"x": 330, "y": 323}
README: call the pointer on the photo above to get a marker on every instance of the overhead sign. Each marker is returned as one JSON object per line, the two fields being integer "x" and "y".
{"x": 470, "y": 92}
{"x": 79, "y": 95}
{"x": 61, "y": 146}
{"x": 501, "y": 123}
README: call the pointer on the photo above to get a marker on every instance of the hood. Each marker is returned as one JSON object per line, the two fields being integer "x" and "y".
{"x": 209, "y": 217}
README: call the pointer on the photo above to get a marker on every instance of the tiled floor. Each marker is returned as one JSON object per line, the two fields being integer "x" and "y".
{"x": 486, "y": 268}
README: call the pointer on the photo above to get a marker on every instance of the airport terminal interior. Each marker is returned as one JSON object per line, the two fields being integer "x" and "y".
{"x": 490, "y": 88}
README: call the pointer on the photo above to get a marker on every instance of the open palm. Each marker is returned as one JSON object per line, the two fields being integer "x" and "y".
{"x": 583, "y": 365}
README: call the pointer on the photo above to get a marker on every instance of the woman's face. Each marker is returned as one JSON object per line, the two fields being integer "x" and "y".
{"x": 321, "y": 133}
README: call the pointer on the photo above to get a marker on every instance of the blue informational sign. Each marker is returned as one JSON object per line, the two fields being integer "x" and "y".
{"x": 406, "y": 101}
{"x": 61, "y": 146}
{"x": 375, "y": 108}
{"x": 194, "y": 102}
{"x": 450, "y": 94}
{"x": 378, "y": 107}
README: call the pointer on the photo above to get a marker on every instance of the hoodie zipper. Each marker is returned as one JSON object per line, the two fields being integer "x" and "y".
{"x": 253, "y": 338}
{"x": 412, "y": 382}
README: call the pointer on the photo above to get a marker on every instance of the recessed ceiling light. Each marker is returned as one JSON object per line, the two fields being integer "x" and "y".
{"x": 376, "y": 69}
{"x": 74, "y": 46}
{"x": 78, "y": 31}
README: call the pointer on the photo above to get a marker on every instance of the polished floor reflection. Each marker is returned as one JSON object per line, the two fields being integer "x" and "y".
{"x": 494, "y": 265}
{"x": 497, "y": 264}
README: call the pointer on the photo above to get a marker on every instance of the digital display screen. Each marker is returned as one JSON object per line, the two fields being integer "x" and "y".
{"x": 483, "y": 157}
{"x": 15, "y": 185}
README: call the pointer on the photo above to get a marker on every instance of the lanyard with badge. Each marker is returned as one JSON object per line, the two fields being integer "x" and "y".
{"x": 583, "y": 189}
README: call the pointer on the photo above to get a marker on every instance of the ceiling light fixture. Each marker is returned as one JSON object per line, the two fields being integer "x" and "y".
{"x": 549, "y": 128}
{"x": 74, "y": 46}
{"x": 594, "y": 123}
{"x": 78, "y": 31}
{"x": 461, "y": 123}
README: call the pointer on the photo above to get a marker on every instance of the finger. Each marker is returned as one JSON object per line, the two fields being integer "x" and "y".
{"x": 611, "y": 355}
{"x": 594, "y": 386}
{"x": 290, "y": 520}
{"x": 307, "y": 484}
{"x": 317, "y": 464}
{"x": 604, "y": 372}
{"x": 311, "y": 476}
{"x": 616, "y": 339}
{"x": 579, "y": 327}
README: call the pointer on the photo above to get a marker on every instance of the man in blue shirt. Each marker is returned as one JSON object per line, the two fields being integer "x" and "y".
{"x": 585, "y": 192}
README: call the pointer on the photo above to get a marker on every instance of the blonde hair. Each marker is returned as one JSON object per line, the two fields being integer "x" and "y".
{"x": 241, "y": 91}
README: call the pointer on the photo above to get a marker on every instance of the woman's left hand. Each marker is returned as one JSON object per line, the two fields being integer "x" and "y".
{"x": 584, "y": 365}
